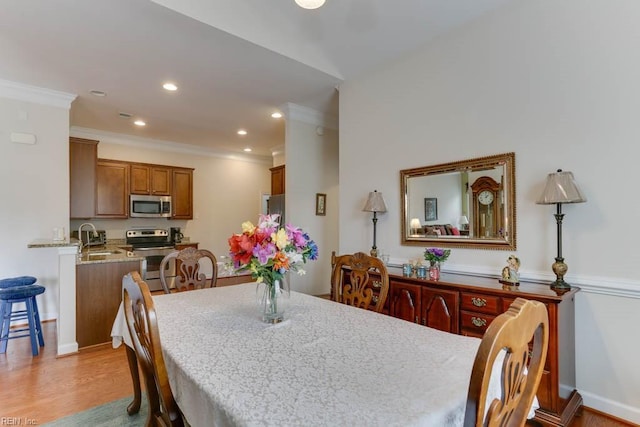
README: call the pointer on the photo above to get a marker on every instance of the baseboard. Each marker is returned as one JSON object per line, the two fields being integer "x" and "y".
{"x": 612, "y": 408}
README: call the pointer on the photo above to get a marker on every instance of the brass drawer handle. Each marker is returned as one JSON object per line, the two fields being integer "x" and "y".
{"x": 375, "y": 299}
{"x": 376, "y": 284}
{"x": 479, "y": 321}
{"x": 478, "y": 302}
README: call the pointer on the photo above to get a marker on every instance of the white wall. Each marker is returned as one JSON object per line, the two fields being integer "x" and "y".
{"x": 34, "y": 184}
{"x": 311, "y": 150}
{"x": 226, "y": 192}
{"x": 557, "y": 83}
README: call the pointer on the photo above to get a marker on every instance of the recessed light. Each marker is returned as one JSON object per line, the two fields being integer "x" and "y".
{"x": 139, "y": 123}
{"x": 276, "y": 115}
{"x": 97, "y": 93}
{"x": 170, "y": 86}
{"x": 247, "y": 150}
{"x": 242, "y": 132}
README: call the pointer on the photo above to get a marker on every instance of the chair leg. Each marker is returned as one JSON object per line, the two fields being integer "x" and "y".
{"x": 6, "y": 321}
{"x": 38, "y": 325}
{"x": 32, "y": 327}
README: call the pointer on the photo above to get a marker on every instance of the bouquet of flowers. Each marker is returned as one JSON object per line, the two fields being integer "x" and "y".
{"x": 270, "y": 251}
{"x": 436, "y": 254}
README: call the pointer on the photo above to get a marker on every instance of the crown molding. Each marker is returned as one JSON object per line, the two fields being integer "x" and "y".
{"x": 309, "y": 115}
{"x": 37, "y": 95}
{"x": 157, "y": 144}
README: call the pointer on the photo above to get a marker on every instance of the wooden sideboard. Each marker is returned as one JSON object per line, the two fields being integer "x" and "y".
{"x": 466, "y": 305}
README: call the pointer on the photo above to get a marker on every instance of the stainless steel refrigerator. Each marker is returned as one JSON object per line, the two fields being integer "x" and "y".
{"x": 275, "y": 205}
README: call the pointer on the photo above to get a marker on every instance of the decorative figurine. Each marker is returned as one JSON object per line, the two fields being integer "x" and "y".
{"x": 510, "y": 274}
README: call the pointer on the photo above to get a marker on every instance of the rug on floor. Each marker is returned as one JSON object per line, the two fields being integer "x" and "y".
{"x": 112, "y": 414}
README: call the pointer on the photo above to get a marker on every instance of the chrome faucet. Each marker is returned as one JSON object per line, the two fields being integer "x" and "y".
{"x": 95, "y": 233}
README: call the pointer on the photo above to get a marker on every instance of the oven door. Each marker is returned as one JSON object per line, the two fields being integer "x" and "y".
{"x": 153, "y": 258}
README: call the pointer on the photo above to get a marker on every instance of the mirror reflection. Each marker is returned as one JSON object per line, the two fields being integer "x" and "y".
{"x": 468, "y": 203}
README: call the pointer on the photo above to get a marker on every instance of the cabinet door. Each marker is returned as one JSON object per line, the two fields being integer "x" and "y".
{"x": 182, "y": 199}
{"x": 439, "y": 309}
{"x": 277, "y": 180}
{"x": 405, "y": 301}
{"x": 83, "y": 155}
{"x": 160, "y": 181}
{"x": 139, "y": 179}
{"x": 112, "y": 189}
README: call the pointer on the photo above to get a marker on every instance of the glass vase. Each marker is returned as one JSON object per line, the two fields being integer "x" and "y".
{"x": 434, "y": 270}
{"x": 273, "y": 299}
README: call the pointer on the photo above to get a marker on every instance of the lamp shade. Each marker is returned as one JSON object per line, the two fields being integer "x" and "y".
{"x": 463, "y": 220}
{"x": 415, "y": 223}
{"x": 310, "y": 4}
{"x": 560, "y": 188}
{"x": 375, "y": 203}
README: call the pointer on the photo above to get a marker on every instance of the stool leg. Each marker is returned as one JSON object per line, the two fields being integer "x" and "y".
{"x": 32, "y": 326}
{"x": 38, "y": 325}
{"x": 6, "y": 321}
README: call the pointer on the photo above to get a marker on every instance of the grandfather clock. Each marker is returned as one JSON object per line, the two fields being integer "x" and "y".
{"x": 487, "y": 219}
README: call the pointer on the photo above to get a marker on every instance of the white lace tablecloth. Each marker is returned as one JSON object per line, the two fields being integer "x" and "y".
{"x": 328, "y": 364}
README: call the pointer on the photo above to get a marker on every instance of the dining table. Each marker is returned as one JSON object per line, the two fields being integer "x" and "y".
{"x": 326, "y": 364}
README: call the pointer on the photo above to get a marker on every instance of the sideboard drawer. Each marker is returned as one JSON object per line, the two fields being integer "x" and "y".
{"x": 475, "y": 324}
{"x": 481, "y": 303}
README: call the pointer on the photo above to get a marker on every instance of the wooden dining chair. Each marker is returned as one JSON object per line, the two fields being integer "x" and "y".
{"x": 187, "y": 270}
{"x": 140, "y": 315}
{"x": 355, "y": 277}
{"x": 522, "y": 366}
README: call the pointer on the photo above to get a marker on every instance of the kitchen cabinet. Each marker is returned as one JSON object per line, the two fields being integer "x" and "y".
{"x": 467, "y": 305}
{"x": 83, "y": 156}
{"x": 182, "y": 193}
{"x": 150, "y": 179}
{"x": 98, "y": 296}
{"x": 278, "y": 180}
{"x": 112, "y": 189}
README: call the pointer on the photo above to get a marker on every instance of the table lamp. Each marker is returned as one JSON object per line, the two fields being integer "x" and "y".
{"x": 375, "y": 204}
{"x": 464, "y": 222}
{"x": 560, "y": 188}
{"x": 415, "y": 225}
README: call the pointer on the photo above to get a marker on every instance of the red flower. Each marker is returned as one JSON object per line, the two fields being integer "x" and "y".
{"x": 241, "y": 246}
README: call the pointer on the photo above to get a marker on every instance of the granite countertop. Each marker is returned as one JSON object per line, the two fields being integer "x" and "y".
{"x": 105, "y": 254}
{"x": 49, "y": 243}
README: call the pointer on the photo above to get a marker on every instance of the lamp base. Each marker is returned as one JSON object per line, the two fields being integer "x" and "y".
{"x": 374, "y": 252}
{"x": 560, "y": 269}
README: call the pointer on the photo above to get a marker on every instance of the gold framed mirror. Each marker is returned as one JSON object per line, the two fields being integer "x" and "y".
{"x": 467, "y": 204}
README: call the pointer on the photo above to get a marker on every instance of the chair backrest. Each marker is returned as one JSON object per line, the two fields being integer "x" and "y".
{"x": 187, "y": 270}
{"x": 522, "y": 368}
{"x": 351, "y": 283}
{"x": 140, "y": 315}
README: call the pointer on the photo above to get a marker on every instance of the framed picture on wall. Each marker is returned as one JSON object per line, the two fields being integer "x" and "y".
{"x": 321, "y": 204}
{"x": 430, "y": 208}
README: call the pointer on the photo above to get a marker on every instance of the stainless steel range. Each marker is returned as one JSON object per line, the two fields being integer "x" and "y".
{"x": 154, "y": 245}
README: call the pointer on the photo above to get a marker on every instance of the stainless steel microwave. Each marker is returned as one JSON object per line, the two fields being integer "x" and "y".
{"x": 150, "y": 206}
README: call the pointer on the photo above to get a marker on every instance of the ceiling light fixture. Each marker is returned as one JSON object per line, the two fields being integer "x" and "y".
{"x": 310, "y": 4}
{"x": 276, "y": 115}
{"x": 170, "y": 86}
{"x": 247, "y": 150}
{"x": 242, "y": 132}
{"x": 139, "y": 123}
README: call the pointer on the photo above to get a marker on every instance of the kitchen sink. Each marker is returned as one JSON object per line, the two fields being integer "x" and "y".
{"x": 103, "y": 253}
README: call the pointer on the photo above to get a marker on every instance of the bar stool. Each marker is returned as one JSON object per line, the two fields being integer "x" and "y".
{"x": 17, "y": 290}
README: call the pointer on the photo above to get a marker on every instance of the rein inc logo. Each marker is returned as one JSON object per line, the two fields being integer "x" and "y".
{"x": 18, "y": 421}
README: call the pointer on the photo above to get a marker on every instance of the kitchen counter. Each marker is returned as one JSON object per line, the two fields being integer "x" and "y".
{"x": 106, "y": 254}
{"x": 48, "y": 243}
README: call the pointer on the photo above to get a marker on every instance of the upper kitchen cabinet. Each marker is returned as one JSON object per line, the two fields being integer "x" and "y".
{"x": 112, "y": 189}
{"x": 277, "y": 180}
{"x": 182, "y": 193}
{"x": 150, "y": 179}
{"x": 83, "y": 155}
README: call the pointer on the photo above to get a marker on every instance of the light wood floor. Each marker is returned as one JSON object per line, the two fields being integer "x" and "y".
{"x": 44, "y": 388}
